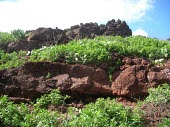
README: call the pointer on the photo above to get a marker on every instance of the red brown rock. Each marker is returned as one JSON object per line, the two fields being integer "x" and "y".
{"x": 34, "y": 79}
{"x": 81, "y": 84}
{"x": 135, "y": 80}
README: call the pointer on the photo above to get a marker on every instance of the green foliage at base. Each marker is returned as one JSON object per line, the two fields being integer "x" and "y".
{"x": 158, "y": 95}
{"x": 106, "y": 113}
{"x": 41, "y": 118}
{"x": 19, "y": 115}
{"x": 102, "y": 113}
{"x": 54, "y": 98}
{"x": 12, "y": 114}
{"x": 165, "y": 123}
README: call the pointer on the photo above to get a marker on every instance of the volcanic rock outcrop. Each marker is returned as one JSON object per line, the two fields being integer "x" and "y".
{"x": 133, "y": 79}
{"x": 87, "y": 30}
{"x": 48, "y": 36}
{"x": 137, "y": 75}
{"x": 30, "y": 83}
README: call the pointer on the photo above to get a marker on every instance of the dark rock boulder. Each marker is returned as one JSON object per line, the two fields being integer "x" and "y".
{"x": 47, "y": 35}
{"x": 118, "y": 28}
{"x": 87, "y": 30}
{"x": 168, "y": 39}
{"x": 91, "y": 30}
{"x": 24, "y": 45}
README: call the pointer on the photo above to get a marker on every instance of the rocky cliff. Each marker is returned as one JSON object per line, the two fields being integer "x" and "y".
{"x": 48, "y": 36}
{"x": 133, "y": 79}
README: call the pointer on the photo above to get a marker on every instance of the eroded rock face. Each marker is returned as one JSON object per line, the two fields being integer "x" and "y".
{"x": 131, "y": 82}
{"x": 136, "y": 79}
{"x": 35, "y": 79}
{"x": 133, "y": 79}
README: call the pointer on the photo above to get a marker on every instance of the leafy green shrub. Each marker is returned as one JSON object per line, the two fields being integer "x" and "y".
{"x": 161, "y": 94}
{"x": 99, "y": 49}
{"x": 8, "y": 60}
{"x": 18, "y": 34}
{"x": 165, "y": 123}
{"x": 106, "y": 113}
{"x": 6, "y": 37}
{"x": 19, "y": 115}
{"x": 12, "y": 114}
{"x": 15, "y": 35}
{"x": 41, "y": 118}
{"x": 54, "y": 98}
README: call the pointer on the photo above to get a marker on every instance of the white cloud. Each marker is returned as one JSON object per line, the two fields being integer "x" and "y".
{"x": 31, "y": 14}
{"x": 140, "y": 32}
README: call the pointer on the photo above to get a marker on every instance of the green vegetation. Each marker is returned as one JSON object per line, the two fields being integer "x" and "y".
{"x": 6, "y": 37}
{"x": 100, "y": 48}
{"x": 19, "y": 115}
{"x": 12, "y": 114}
{"x": 15, "y": 35}
{"x": 159, "y": 95}
{"x": 95, "y": 50}
{"x": 54, "y": 98}
{"x": 102, "y": 113}
{"x": 48, "y": 75}
{"x": 165, "y": 123}
{"x": 18, "y": 34}
{"x": 8, "y": 60}
{"x": 106, "y": 113}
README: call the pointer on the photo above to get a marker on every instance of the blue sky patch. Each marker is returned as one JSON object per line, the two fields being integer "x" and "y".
{"x": 145, "y": 17}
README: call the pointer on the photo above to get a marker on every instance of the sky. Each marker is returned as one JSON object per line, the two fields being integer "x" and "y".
{"x": 144, "y": 17}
